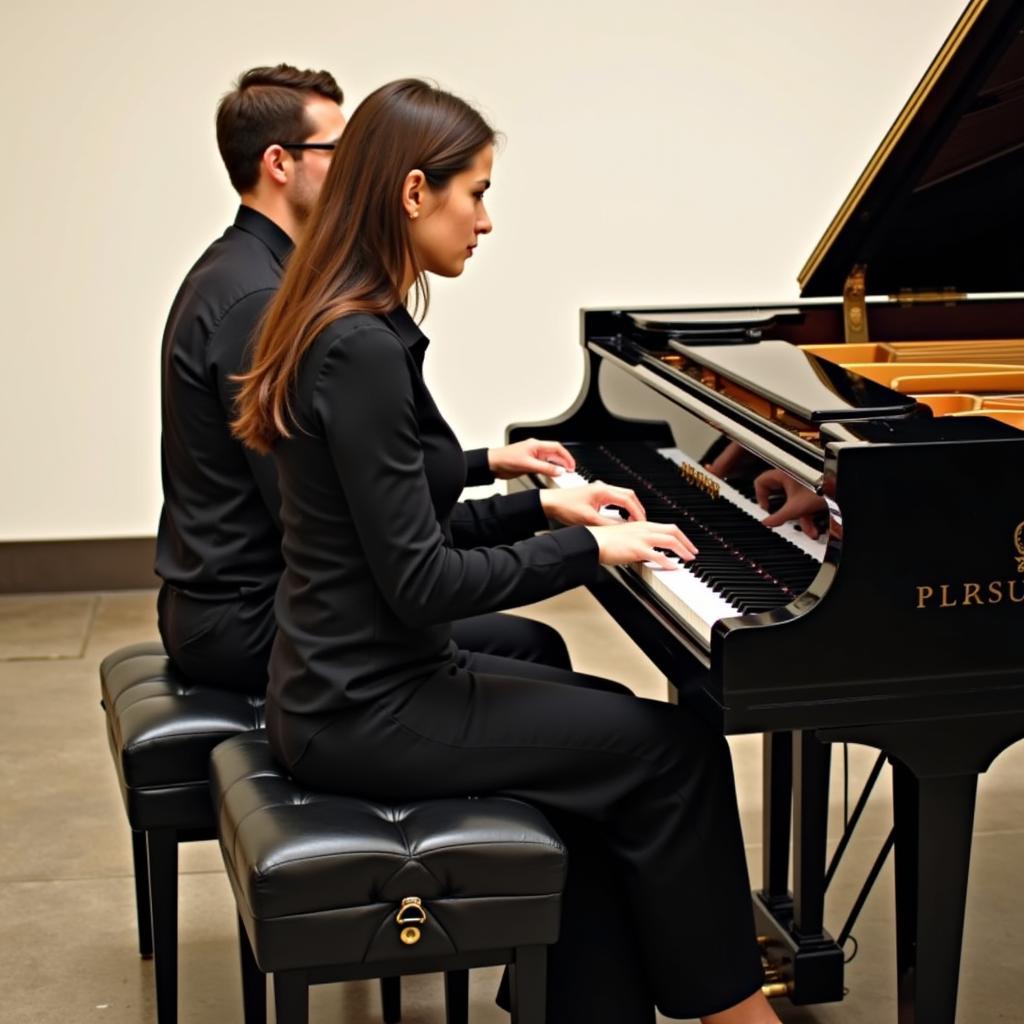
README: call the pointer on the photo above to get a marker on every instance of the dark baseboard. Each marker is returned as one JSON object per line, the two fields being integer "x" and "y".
{"x": 117, "y": 563}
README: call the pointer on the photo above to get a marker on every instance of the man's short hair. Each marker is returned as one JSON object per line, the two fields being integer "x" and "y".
{"x": 267, "y": 106}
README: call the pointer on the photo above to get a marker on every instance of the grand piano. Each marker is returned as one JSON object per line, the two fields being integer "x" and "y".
{"x": 894, "y": 388}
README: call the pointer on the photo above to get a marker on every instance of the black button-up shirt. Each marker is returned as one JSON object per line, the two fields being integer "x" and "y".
{"x": 219, "y": 534}
{"x": 380, "y": 557}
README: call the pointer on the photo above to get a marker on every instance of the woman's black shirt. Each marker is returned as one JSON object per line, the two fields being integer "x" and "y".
{"x": 380, "y": 556}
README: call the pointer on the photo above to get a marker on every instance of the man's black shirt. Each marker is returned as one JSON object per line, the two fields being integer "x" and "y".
{"x": 219, "y": 532}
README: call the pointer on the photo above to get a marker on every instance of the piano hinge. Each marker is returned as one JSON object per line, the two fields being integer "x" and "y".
{"x": 907, "y": 297}
{"x": 855, "y": 310}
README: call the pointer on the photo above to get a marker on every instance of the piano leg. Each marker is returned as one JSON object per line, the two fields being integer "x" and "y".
{"x": 935, "y": 776}
{"x": 802, "y": 958}
{"x": 934, "y": 819}
{"x": 777, "y": 796}
{"x": 812, "y": 762}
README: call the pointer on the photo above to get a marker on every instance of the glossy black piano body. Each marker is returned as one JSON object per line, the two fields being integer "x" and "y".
{"x": 924, "y": 503}
{"x": 906, "y": 639}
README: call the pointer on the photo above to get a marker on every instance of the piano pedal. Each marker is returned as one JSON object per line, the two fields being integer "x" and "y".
{"x": 776, "y": 984}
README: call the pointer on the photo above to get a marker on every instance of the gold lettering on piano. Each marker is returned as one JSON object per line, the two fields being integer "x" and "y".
{"x": 702, "y": 481}
{"x": 961, "y": 595}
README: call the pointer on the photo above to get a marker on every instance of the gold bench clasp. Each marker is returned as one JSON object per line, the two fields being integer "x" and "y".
{"x": 410, "y": 914}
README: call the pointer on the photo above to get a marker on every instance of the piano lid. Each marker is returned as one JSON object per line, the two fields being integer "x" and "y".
{"x": 941, "y": 203}
{"x": 815, "y": 389}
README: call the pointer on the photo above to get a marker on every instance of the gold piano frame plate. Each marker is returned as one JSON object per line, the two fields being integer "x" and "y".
{"x": 950, "y": 384}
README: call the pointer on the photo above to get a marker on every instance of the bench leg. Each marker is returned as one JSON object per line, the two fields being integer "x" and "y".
{"x": 391, "y": 1000}
{"x": 456, "y": 997}
{"x": 140, "y": 864}
{"x": 529, "y": 984}
{"x": 291, "y": 997}
{"x": 254, "y": 982}
{"x": 162, "y": 849}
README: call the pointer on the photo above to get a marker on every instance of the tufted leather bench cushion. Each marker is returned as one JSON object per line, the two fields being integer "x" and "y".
{"x": 161, "y": 729}
{"x": 319, "y": 878}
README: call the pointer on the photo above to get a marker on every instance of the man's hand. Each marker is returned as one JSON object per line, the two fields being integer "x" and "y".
{"x": 580, "y": 506}
{"x": 801, "y": 502}
{"x": 731, "y": 457}
{"x": 548, "y": 458}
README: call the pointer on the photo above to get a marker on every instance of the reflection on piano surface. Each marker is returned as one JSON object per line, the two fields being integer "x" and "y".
{"x": 896, "y": 636}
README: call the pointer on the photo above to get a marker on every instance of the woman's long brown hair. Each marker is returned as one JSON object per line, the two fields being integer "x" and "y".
{"x": 356, "y": 248}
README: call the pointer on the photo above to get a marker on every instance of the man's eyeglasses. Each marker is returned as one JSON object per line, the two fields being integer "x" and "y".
{"x": 326, "y": 146}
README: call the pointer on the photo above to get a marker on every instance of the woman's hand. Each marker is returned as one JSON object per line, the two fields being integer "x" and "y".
{"x": 642, "y": 542}
{"x": 801, "y": 502}
{"x": 547, "y": 458}
{"x": 580, "y": 506}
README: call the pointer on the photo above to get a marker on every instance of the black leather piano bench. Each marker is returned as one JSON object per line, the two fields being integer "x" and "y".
{"x": 333, "y": 888}
{"x": 161, "y": 730}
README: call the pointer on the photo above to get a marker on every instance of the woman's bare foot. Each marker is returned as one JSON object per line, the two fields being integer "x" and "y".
{"x": 754, "y": 1009}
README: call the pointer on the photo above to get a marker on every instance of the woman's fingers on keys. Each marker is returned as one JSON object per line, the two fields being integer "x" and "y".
{"x": 563, "y": 457}
{"x": 613, "y": 499}
{"x": 679, "y": 539}
{"x": 623, "y": 497}
{"x": 661, "y": 559}
{"x": 554, "y": 451}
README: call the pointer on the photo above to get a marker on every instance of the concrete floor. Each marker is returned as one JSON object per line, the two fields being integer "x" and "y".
{"x": 67, "y": 941}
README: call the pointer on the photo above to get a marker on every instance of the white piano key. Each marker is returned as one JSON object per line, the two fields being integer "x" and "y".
{"x": 565, "y": 479}
{"x": 690, "y": 598}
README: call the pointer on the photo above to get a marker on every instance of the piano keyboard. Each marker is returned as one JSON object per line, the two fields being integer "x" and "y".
{"x": 741, "y": 567}
{"x": 788, "y": 531}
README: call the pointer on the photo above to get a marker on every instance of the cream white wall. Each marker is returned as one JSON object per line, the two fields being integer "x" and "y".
{"x": 659, "y": 151}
